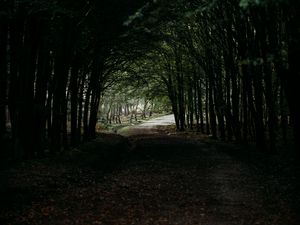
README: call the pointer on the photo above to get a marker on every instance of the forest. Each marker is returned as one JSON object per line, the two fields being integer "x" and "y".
{"x": 229, "y": 69}
{"x": 226, "y": 70}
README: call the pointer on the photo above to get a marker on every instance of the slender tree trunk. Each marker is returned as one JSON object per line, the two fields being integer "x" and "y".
{"x": 234, "y": 84}
{"x": 3, "y": 72}
{"x": 291, "y": 78}
{"x": 42, "y": 78}
{"x": 269, "y": 98}
{"x": 61, "y": 74}
{"x": 244, "y": 34}
{"x": 200, "y": 105}
{"x": 259, "y": 123}
{"x": 196, "y": 107}
{"x": 172, "y": 95}
{"x": 258, "y": 85}
{"x": 15, "y": 44}
{"x": 219, "y": 101}
{"x": 93, "y": 115}
{"x": 190, "y": 103}
{"x": 86, "y": 114}
{"x": 207, "y": 116}
{"x": 74, "y": 88}
{"x": 27, "y": 131}
{"x": 245, "y": 86}
{"x": 95, "y": 100}
{"x": 180, "y": 89}
{"x": 228, "y": 103}
{"x": 235, "y": 106}
{"x": 251, "y": 106}
{"x": 80, "y": 108}
{"x": 212, "y": 114}
{"x": 283, "y": 115}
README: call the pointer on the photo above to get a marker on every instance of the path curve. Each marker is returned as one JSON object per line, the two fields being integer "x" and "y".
{"x": 148, "y": 127}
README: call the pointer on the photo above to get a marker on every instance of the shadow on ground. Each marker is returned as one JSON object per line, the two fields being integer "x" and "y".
{"x": 152, "y": 179}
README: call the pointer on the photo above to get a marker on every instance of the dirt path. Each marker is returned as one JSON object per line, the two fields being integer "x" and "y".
{"x": 152, "y": 179}
{"x": 159, "y": 121}
{"x": 148, "y": 127}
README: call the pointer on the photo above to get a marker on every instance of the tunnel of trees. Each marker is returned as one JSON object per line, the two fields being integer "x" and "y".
{"x": 227, "y": 68}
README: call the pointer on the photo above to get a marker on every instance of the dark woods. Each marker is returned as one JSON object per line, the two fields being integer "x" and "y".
{"x": 52, "y": 57}
{"x": 230, "y": 67}
{"x": 231, "y": 71}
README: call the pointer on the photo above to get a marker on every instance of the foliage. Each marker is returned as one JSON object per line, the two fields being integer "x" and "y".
{"x": 229, "y": 68}
{"x": 224, "y": 64}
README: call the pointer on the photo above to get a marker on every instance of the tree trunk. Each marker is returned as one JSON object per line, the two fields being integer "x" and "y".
{"x": 42, "y": 78}
{"x": 196, "y": 106}
{"x": 86, "y": 114}
{"x": 190, "y": 103}
{"x": 74, "y": 89}
{"x": 16, "y": 44}
{"x": 180, "y": 89}
{"x": 291, "y": 83}
{"x": 200, "y": 105}
{"x": 259, "y": 123}
{"x": 269, "y": 97}
{"x": 212, "y": 114}
{"x": 228, "y": 114}
{"x": 283, "y": 115}
{"x": 61, "y": 74}
{"x": 206, "y": 107}
{"x": 80, "y": 108}
{"x": 26, "y": 130}
{"x": 3, "y": 73}
{"x": 232, "y": 70}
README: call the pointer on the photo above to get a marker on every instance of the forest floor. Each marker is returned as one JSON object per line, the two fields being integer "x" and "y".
{"x": 159, "y": 178}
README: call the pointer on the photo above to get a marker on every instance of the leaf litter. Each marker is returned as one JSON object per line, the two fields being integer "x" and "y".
{"x": 158, "y": 179}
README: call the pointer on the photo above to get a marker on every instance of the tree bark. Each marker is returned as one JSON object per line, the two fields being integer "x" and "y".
{"x": 74, "y": 91}
{"x": 3, "y": 72}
